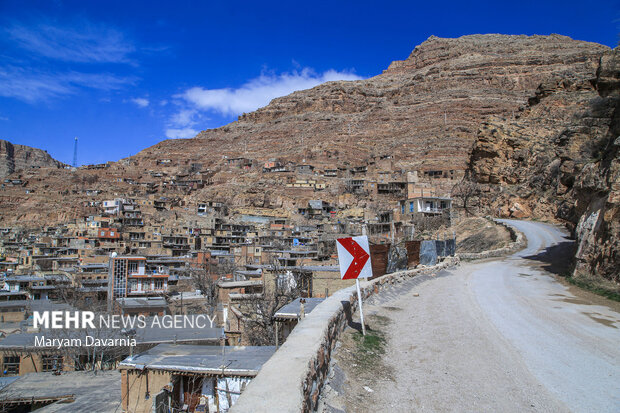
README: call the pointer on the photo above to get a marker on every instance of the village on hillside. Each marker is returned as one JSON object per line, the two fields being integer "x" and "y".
{"x": 437, "y": 234}
{"x": 255, "y": 271}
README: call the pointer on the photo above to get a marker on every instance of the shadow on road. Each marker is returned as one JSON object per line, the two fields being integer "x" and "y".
{"x": 557, "y": 259}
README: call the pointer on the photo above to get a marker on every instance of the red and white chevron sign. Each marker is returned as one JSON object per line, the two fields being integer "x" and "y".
{"x": 354, "y": 257}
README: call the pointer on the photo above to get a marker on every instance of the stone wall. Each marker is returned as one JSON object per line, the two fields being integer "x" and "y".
{"x": 292, "y": 380}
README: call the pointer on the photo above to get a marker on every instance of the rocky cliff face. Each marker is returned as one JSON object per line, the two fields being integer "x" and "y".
{"x": 19, "y": 157}
{"x": 558, "y": 159}
{"x": 424, "y": 110}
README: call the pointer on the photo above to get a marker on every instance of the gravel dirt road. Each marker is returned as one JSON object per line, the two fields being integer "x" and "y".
{"x": 499, "y": 335}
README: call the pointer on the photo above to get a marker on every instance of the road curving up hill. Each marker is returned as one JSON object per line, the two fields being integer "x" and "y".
{"x": 497, "y": 335}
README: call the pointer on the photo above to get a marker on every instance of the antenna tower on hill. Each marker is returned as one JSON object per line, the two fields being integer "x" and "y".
{"x": 75, "y": 153}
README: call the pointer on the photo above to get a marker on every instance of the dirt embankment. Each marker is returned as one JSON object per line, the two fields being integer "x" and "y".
{"x": 477, "y": 234}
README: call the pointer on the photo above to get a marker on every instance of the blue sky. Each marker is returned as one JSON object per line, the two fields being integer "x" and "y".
{"x": 124, "y": 75}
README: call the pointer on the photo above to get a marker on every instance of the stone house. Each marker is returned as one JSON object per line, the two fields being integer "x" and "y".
{"x": 189, "y": 378}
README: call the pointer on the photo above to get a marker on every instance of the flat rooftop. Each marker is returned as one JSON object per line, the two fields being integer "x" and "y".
{"x": 235, "y": 284}
{"x": 36, "y": 305}
{"x": 96, "y": 393}
{"x": 292, "y": 310}
{"x": 233, "y": 360}
{"x": 142, "y": 302}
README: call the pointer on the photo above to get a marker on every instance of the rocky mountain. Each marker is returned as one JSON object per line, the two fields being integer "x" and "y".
{"x": 558, "y": 159}
{"x": 539, "y": 113}
{"x": 424, "y": 110}
{"x": 19, "y": 157}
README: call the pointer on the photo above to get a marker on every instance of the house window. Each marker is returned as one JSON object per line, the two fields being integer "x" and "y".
{"x": 111, "y": 233}
{"x": 133, "y": 266}
{"x": 159, "y": 284}
{"x": 51, "y": 363}
{"x": 402, "y": 208}
{"x": 410, "y": 206}
{"x": 11, "y": 364}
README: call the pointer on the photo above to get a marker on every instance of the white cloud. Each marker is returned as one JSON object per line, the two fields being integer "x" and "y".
{"x": 42, "y": 58}
{"x": 32, "y": 86}
{"x": 195, "y": 102}
{"x": 173, "y": 133}
{"x": 142, "y": 102}
{"x": 184, "y": 117}
{"x": 181, "y": 124}
{"x": 86, "y": 42}
{"x": 258, "y": 92}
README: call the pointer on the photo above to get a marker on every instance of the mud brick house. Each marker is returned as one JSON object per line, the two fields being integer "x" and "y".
{"x": 326, "y": 280}
{"x": 13, "y": 295}
{"x": 238, "y": 290}
{"x": 14, "y": 310}
{"x": 304, "y": 169}
{"x": 427, "y": 205}
{"x": 38, "y": 287}
{"x": 189, "y": 378}
{"x": 242, "y": 163}
{"x": 274, "y": 165}
{"x": 331, "y": 173}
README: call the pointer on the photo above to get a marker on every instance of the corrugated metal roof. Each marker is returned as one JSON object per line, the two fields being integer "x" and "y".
{"x": 233, "y": 360}
{"x": 96, "y": 393}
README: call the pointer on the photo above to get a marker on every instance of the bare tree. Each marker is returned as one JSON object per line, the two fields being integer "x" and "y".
{"x": 258, "y": 312}
{"x": 468, "y": 192}
{"x": 205, "y": 273}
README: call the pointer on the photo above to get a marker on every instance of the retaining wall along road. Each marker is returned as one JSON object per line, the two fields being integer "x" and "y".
{"x": 292, "y": 379}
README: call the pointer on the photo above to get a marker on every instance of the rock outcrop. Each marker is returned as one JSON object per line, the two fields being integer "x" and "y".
{"x": 15, "y": 158}
{"x": 558, "y": 159}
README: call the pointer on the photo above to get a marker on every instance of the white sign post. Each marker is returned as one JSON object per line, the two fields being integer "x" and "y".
{"x": 354, "y": 260}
